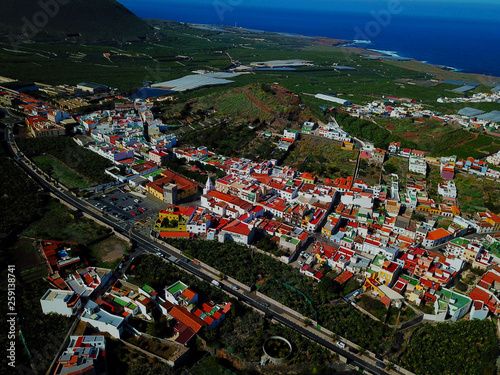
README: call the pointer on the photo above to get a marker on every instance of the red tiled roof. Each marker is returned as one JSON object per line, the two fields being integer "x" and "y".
{"x": 165, "y": 234}
{"x": 183, "y": 315}
{"x": 437, "y": 234}
{"x": 189, "y": 293}
{"x": 344, "y": 277}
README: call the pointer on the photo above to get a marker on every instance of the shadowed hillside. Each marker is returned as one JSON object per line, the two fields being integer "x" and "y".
{"x": 77, "y": 19}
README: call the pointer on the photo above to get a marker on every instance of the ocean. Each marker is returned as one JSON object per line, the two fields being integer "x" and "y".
{"x": 461, "y": 36}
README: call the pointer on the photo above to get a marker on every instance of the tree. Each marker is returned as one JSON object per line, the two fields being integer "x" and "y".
{"x": 390, "y": 168}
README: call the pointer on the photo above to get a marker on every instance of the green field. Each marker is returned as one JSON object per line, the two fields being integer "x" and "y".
{"x": 322, "y": 157}
{"x": 61, "y": 172}
{"x": 57, "y": 224}
{"x": 68, "y": 157}
{"x": 476, "y": 148}
{"x": 29, "y": 262}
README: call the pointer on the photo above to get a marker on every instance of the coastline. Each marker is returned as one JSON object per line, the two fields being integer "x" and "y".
{"x": 441, "y": 71}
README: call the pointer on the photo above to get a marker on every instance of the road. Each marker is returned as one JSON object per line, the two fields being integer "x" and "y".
{"x": 148, "y": 245}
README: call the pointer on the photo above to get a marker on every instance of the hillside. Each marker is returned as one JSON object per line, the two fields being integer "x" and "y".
{"x": 80, "y": 19}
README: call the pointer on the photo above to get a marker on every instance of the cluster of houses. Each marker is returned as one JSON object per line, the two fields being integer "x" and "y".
{"x": 85, "y": 354}
{"x": 384, "y": 245}
{"x": 42, "y": 119}
{"x": 118, "y": 308}
{"x": 401, "y": 108}
{"x": 418, "y": 161}
{"x": 480, "y": 97}
{"x": 400, "y": 272}
{"x": 111, "y": 311}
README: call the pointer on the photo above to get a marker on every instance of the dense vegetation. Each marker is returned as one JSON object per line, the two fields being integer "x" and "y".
{"x": 21, "y": 198}
{"x": 462, "y": 348}
{"x": 86, "y": 162}
{"x": 180, "y": 166}
{"x": 224, "y": 139}
{"x": 43, "y": 333}
{"x": 243, "y": 331}
{"x": 337, "y": 316}
{"x": 476, "y": 148}
{"x": 364, "y": 129}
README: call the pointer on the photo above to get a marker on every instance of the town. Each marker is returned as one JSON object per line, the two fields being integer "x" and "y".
{"x": 407, "y": 253}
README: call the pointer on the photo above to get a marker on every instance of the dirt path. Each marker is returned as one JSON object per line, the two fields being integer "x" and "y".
{"x": 467, "y": 140}
{"x": 258, "y": 103}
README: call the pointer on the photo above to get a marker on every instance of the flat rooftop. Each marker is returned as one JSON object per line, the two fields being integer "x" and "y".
{"x": 195, "y": 81}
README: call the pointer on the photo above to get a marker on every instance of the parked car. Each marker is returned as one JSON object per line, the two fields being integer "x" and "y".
{"x": 340, "y": 344}
{"x": 301, "y": 263}
{"x": 133, "y": 214}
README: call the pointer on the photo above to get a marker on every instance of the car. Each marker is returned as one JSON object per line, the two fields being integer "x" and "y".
{"x": 235, "y": 287}
{"x": 104, "y": 195}
{"x": 340, "y": 344}
{"x": 133, "y": 214}
{"x": 137, "y": 200}
{"x": 158, "y": 253}
{"x": 301, "y": 263}
{"x": 124, "y": 198}
{"x": 113, "y": 198}
{"x": 141, "y": 210}
{"x": 266, "y": 304}
{"x": 380, "y": 364}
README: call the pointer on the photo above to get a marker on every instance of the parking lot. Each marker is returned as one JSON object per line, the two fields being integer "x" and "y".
{"x": 124, "y": 205}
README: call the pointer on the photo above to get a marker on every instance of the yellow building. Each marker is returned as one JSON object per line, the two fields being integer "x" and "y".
{"x": 174, "y": 219}
{"x": 308, "y": 178}
{"x": 347, "y": 145}
{"x": 184, "y": 187}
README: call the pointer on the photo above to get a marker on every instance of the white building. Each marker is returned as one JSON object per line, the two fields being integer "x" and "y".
{"x": 102, "y": 320}
{"x": 417, "y": 165}
{"x": 447, "y": 189}
{"x": 63, "y": 302}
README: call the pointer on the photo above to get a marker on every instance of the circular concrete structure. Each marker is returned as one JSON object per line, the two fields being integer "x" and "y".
{"x": 277, "y": 349}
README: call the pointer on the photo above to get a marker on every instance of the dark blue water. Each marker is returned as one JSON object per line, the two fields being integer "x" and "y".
{"x": 464, "y": 36}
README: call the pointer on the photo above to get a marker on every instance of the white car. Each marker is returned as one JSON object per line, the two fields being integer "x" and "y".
{"x": 340, "y": 344}
{"x": 301, "y": 263}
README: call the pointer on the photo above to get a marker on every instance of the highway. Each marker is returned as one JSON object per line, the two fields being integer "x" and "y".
{"x": 148, "y": 245}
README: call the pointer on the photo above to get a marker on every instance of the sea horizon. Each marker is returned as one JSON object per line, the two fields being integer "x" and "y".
{"x": 448, "y": 40}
